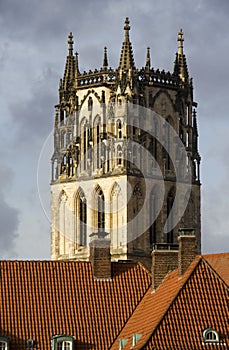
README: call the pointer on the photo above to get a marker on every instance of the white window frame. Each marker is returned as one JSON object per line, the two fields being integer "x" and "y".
{"x": 4, "y": 341}
{"x": 64, "y": 342}
{"x": 211, "y": 331}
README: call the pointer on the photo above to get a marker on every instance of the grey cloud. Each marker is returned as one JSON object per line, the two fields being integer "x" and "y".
{"x": 34, "y": 116}
{"x": 9, "y": 221}
{"x": 6, "y": 178}
{"x": 9, "y": 216}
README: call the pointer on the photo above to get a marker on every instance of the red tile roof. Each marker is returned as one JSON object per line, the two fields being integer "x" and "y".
{"x": 42, "y": 299}
{"x": 39, "y": 299}
{"x": 175, "y": 316}
{"x": 220, "y": 263}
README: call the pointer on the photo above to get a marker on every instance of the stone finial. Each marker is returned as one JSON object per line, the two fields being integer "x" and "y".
{"x": 127, "y": 29}
{"x": 180, "y": 40}
{"x": 105, "y": 60}
{"x": 148, "y": 61}
{"x": 77, "y": 63}
{"x": 70, "y": 44}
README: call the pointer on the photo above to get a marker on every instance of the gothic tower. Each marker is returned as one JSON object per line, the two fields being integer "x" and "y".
{"x": 125, "y": 165}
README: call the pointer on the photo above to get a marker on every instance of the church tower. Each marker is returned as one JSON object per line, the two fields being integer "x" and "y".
{"x": 125, "y": 166}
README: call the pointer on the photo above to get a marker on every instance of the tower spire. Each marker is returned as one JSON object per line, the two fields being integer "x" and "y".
{"x": 105, "y": 60}
{"x": 180, "y": 65}
{"x": 127, "y": 58}
{"x": 69, "y": 72}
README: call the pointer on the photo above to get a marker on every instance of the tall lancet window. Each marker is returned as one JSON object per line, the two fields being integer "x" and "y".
{"x": 90, "y": 103}
{"x": 100, "y": 210}
{"x": 119, "y": 129}
{"x": 152, "y": 218}
{"x": 119, "y": 155}
{"x": 170, "y": 200}
{"x": 81, "y": 218}
{"x": 62, "y": 223}
{"x": 85, "y": 134}
{"x": 168, "y": 143}
{"x": 96, "y": 136}
{"x": 116, "y": 216}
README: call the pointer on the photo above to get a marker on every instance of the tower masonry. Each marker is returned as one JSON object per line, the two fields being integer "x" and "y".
{"x": 125, "y": 166}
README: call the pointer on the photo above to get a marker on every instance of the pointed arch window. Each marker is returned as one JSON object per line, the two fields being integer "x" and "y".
{"x": 81, "y": 218}
{"x": 103, "y": 155}
{"x": 170, "y": 200}
{"x": 152, "y": 218}
{"x": 119, "y": 154}
{"x": 100, "y": 211}
{"x": 119, "y": 128}
{"x": 63, "y": 164}
{"x": 85, "y": 132}
{"x": 62, "y": 116}
{"x": 62, "y": 223}
{"x": 90, "y": 103}
{"x": 83, "y": 222}
{"x": 97, "y": 125}
{"x": 134, "y": 155}
{"x": 116, "y": 215}
{"x": 167, "y": 130}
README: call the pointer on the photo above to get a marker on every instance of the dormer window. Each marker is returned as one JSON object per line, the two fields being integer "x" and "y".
{"x": 122, "y": 343}
{"x": 135, "y": 338}
{"x": 4, "y": 343}
{"x": 210, "y": 336}
{"x": 62, "y": 342}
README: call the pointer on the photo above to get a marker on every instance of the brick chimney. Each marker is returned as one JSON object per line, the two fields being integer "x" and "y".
{"x": 187, "y": 249}
{"x": 100, "y": 258}
{"x": 164, "y": 260}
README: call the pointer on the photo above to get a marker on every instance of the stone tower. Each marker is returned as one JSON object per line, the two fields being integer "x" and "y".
{"x": 125, "y": 165}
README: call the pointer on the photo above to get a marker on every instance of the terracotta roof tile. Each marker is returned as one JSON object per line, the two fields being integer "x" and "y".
{"x": 175, "y": 316}
{"x": 220, "y": 263}
{"x": 40, "y": 299}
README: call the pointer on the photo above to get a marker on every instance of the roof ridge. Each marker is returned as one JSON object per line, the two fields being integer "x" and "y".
{"x": 215, "y": 255}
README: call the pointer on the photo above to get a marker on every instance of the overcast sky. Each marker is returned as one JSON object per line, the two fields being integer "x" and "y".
{"x": 33, "y": 48}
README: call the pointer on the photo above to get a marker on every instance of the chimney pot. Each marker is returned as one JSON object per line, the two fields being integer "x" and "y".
{"x": 187, "y": 249}
{"x": 100, "y": 258}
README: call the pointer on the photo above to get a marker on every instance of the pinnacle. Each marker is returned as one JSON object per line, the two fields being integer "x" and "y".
{"x": 180, "y": 66}
{"x": 148, "y": 63}
{"x": 105, "y": 60}
{"x": 126, "y": 59}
